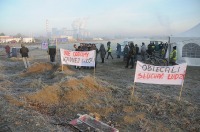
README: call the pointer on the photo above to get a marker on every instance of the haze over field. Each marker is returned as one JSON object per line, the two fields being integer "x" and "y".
{"x": 105, "y": 17}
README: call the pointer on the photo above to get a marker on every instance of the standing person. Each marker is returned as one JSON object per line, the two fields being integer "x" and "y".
{"x": 7, "y": 48}
{"x": 52, "y": 53}
{"x": 118, "y": 50}
{"x": 161, "y": 48}
{"x": 173, "y": 56}
{"x": 126, "y": 51}
{"x": 24, "y": 52}
{"x": 102, "y": 52}
{"x": 162, "y": 54}
{"x": 108, "y": 44}
{"x": 75, "y": 47}
{"x": 78, "y": 49}
{"x": 143, "y": 51}
{"x": 131, "y": 55}
{"x": 109, "y": 52}
{"x": 137, "y": 52}
{"x": 93, "y": 47}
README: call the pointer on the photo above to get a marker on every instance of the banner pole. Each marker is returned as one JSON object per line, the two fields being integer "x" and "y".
{"x": 94, "y": 62}
{"x": 180, "y": 92}
{"x": 182, "y": 86}
{"x": 133, "y": 90}
{"x": 57, "y": 55}
{"x": 94, "y": 71}
{"x": 62, "y": 67}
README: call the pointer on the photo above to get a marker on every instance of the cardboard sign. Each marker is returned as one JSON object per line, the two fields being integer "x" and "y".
{"x": 78, "y": 58}
{"x": 172, "y": 75}
{"x": 44, "y": 45}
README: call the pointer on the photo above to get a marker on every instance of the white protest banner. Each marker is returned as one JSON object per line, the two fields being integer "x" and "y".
{"x": 78, "y": 58}
{"x": 172, "y": 75}
{"x": 44, "y": 45}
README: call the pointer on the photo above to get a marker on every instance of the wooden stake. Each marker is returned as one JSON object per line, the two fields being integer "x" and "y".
{"x": 62, "y": 67}
{"x": 133, "y": 90}
{"x": 180, "y": 92}
{"x": 182, "y": 86}
{"x": 94, "y": 71}
{"x": 95, "y": 62}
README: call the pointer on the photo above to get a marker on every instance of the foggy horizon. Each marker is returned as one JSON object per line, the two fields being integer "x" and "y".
{"x": 99, "y": 18}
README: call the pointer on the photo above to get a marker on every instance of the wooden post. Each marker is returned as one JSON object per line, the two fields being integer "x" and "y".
{"x": 180, "y": 92}
{"x": 94, "y": 62}
{"x": 62, "y": 67}
{"x": 182, "y": 86}
{"x": 133, "y": 90}
{"x": 57, "y": 49}
{"x": 94, "y": 71}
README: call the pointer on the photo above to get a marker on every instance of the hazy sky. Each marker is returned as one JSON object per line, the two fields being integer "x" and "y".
{"x": 115, "y": 17}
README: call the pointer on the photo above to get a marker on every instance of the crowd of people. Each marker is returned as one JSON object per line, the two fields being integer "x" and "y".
{"x": 130, "y": 52}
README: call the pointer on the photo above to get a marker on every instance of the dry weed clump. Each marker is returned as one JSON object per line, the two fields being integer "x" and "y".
{"x": 2, "y": 67}
{"x": 13, "y": 101}
{"x": 79, "y": 90}
{"x": 3, "y": 89}
{"x": 6, "y": 83}
{"x": 128, "y": 109}
{"x": 87, "y": 83}
{"x": 133, "y": 118}
{"x": 36, "y": 83}
{"x": 49, "y": 95}
{"x": 16, "y": 59}
{"x": 39, "y": 67}
{"x": 99, "y": 109}
{"x": 66, "y": 70}
{"x": 75, "y": 96}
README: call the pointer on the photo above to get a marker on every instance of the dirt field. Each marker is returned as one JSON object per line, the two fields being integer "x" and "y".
{"x": 44, "y": 98}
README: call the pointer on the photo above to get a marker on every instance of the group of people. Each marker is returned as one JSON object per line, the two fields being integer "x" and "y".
{"x": 131, "y": 52}
{"x": 24, "y": 53}
{"x": 102, "y": 51}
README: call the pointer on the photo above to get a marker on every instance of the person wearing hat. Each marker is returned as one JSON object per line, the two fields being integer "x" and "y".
{"x": 173, "y": 56}
{"x": 24, "y": 52}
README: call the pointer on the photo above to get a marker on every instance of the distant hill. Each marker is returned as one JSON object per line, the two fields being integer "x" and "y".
{"x": 193, "y": 32}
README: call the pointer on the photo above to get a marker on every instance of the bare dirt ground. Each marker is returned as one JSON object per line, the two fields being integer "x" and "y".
{"x": 44, "y": 98}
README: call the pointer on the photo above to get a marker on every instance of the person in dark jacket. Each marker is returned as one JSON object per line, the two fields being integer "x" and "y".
{"x": 126, "y": 51}
{"x": 118, "y": 50}
{"x": 102, "y": 52}
{"x": 52, "y": 53}
{"x": 131, "y": 55}
{"x": 143, "y": 51}
{"x": 7, "y": 48}
{"x": 137, "y": 52}
{"x": 24, "y": 52}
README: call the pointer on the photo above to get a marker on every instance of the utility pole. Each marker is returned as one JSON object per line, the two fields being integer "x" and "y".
{"x": 47, "y": 27}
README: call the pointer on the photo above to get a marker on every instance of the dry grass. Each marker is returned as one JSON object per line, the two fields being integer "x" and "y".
{"x": 128, "y": 109}
{"x": 13, "y": 100}
{"x": 38, "y": 68}
{"x": 101, "y": 110}
{"x": 65, "y": 95}
{"x": 136, "y": 117}
{"x": 75, "y": 96}
{"x": 36, "y": 83}
{"x": 6, "y": 83}
{"x": 49, "y": 95}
